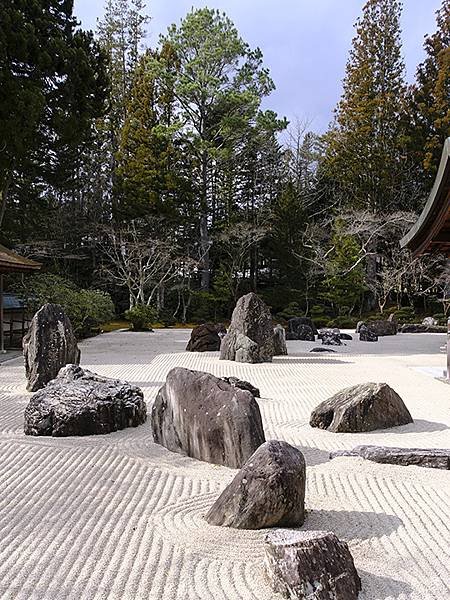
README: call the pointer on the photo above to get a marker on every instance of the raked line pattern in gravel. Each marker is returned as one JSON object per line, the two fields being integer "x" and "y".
{"x": 119, "y": 517}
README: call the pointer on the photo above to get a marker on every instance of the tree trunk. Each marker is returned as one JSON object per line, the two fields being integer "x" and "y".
{"x": 204, "y": 245}
{"x": 4, "y": 198}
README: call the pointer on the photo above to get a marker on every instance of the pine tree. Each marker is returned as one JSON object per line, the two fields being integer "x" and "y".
{"x": 365, "y": 146}
{"x": 429, "y": 98}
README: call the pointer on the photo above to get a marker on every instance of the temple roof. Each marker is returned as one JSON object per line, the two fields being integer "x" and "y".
{"x": 431, "y": 232}
{"x": 10, "y": 262}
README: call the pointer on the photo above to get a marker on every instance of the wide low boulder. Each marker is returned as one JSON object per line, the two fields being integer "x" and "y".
{"x": 49, "y": 345}
{"x": 302, "y": 333}
{"x": 268, "y": 491}
{"x": 382, "y": 328}
{"x": 250, "y": 335}
{"x": 310, "y": 565}
{"x": 205, "y": 417}
{"x": 296, "y": 323}
{"x": 433, "y": 458}
{"x": 204, "y": 338}
{"x": 279, "y": 341}
{"x": 79, "y": 402}
{"x": 362, "y": 407}
{"x": 421, "y": 328}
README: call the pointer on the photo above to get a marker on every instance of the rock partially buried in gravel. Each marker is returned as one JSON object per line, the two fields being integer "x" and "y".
{"x": 204, "y": 338}
{"x": 319, "y": 349}
{"x": 433, "y": 458}
{"x": 269, "y": 491}
{"x": 420, "y": 328}
{"x": 79, "y": 402}
{"x": 205, "y": 417}
{"x": 345, "y": 336}
{"x": 362, "y": 407}
{"x": 310, "y": 565}
{"x": 242, "y": 385}
{"x": 250, "y": 335}
{"x": 49, "y": 345}
{"x": 382, "y": 328}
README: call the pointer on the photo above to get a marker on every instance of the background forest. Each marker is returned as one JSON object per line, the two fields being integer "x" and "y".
{"x": 152, "y": 177}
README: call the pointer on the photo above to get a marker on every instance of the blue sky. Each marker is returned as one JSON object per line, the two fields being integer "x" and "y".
{"x": 305, "y": 43}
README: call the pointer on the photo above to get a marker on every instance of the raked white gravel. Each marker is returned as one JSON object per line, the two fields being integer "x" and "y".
{"x": 118, "y": 517}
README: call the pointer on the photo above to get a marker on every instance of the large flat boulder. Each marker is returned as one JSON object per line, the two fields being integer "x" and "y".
{"x": 204, "y": 338}
{"x": 382, "y": 328}
{"x": 362, "y": 407}
{"x": 268, "y": 491}
{"x": 205, "y": 417}
{"x": 433, "y": 458}
{"x": 79, "y": 402}
{"x": 49, "y": 345}
{"x": 296, "y": 322}
{"x": 250, "y": 335}
{"x": 310, "y": 565}
{"x": 421, "y": 328}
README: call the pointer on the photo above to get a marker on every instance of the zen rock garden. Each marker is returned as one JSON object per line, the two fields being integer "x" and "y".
{"x": 218, "y": 420}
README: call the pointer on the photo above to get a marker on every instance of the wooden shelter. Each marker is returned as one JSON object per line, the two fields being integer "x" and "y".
{"x": 10, "y": 262}
{"x": 431, "y": 232}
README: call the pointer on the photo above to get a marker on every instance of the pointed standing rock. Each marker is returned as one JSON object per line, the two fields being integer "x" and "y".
{"x": 249, "y": 337}
{"x": 49, "y": 345}
{"x": 269, "y": 491}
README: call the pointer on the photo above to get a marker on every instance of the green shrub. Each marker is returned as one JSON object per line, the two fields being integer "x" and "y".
{"x": 440, "y": 318}
{"x": 86, "y": 309}
{"x": 292, "y": 310}
{"x": 405, "y": 314}
{"x": 319, "y": 316}
{"x": 343, "y": 322}
{"x": 141, "y": 317}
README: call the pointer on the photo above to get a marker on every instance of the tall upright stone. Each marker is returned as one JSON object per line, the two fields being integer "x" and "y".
{"x": 250, "y": 335}
{"x": 49, "y": 345}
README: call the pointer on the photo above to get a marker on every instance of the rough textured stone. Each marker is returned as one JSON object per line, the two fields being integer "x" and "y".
{"x": 433, "y": 458}
{"x": 250, "y": 335}
{"x": 310, "y": 565}
{"x": 420, "y": 328}
{"x": 430, "y": 321}
{"x": 322, "y": 349}
{"x": 49, "y": 345}
{"x": 242, "y": 385}
{"x": 279, "y": 341}
{"x": 303, "y": 332}
{"x": 362, "y": 407}
{"x": 205, "y": 417}
{"x": 204, "y": 338}
{"x": 367, "y": 335}
{"x": 296, "y": 323}
{"x": 79, "y": 402}
{"x": 382, "y": 328}
{"x": 268, "y": 491}
{"x": 330, "y": 337}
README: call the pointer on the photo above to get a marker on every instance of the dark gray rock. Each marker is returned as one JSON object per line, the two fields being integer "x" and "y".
{"x": 204, "y": 338}
{"x": 381, "y": 328}
{"x": 49, "y": 345}
{"x": 269, "y": 491}
{"x": 279, "y": 341}
{"x": 433, "y": 458}
{"x": 206, "y": 418}
{"x": 345, "y": 336}
{"x": 79, "y": 402}
{"x": 330, "y": 337}
{"x": 359, "y": 325}
{"x": 310, "y": 565}
{"x": 362, "y": 407}
{"x": 242, "y": 385}
{"x": 295, "y": 323}
{"x": 367, "y": 335}
{"x": 420, "y": 328}
{"x": 250, "y": 335}
{"x": 322, "y": 349}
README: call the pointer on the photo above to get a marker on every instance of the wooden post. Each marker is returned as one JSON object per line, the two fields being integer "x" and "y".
{"x": 2, "y": 333}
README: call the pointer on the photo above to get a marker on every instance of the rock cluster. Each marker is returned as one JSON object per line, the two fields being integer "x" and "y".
{"x": 207, "y": 418}
{"x": 204, "y": 338}
{"x": 49, "y": 345}
{"x": 268, "y": 491}
{"x": 366, "y": 334}
{"x": 313, "y": 565}
{"x": 330, "y": 337}
{"x": 433, "y": 458}
{"x": 250, "y": 335}
{"x": 362, "y": 407}
{"x": 301, "y": 328}
{"x": 79, "y": 402}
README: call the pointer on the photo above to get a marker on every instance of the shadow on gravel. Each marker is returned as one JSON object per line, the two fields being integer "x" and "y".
{"x": 352, "y": 524}
{"x": 376, "y": 586}
{"x": 419, "y": 426}
{"x": 308, "y": 360}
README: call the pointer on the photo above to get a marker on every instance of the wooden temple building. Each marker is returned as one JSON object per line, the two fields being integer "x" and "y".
{"x": 10, "y": 262}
